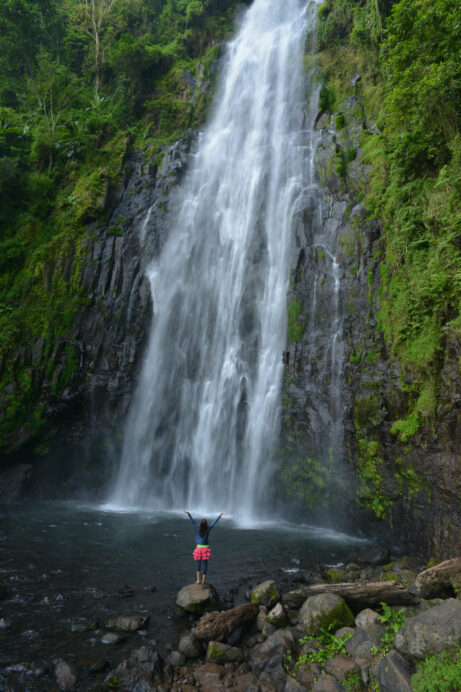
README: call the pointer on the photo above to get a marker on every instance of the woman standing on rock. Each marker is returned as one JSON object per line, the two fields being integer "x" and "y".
{"x": 202, "y": 552}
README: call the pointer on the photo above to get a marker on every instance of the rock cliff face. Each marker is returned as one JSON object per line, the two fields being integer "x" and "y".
{"x": 344, "y": 390}
{"x": 108, "y": 335}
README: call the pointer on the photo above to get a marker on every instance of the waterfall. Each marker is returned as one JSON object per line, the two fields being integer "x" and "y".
{"x": 204, "y": 420}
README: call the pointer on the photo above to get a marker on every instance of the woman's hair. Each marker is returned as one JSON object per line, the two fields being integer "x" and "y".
{"x": 203, "y": 528}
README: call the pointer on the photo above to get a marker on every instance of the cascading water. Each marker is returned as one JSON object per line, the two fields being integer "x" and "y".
{"x": 205, "y": 417}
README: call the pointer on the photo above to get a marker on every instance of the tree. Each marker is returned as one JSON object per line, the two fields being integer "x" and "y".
{"x": 96, "y": 14}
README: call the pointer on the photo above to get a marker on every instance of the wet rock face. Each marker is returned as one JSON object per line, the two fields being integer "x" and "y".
{"x": 343, "y": 390}
{"x": 109, "y": 335}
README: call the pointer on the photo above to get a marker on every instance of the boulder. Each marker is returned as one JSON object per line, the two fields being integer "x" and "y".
{"x": 440, "y": 581}
{"x": 265, "y": 594}
{"x": 141, "y": 671}
{"x": 277, "y": 616}
{"x": 211, "y": 677}
{"x": 327, "y": 683}
{"x": 267, "y": 658}
{"x": 431, "y": 632}
{"x": 66, "y": 675}
{"x": 220, "y": 653}
{"x": 340, "y": 666}
{"x": 362, "y": 642}
{"x": 394, "y": 674}
{"x": 126, "y": 623}
{"x": 198, "y": 598}
{"x": 246, "y": 682}
{"x": 190, "y": 646}
{"x": 175, "y": 659}
{"x": 319, "y": 612}
{"x": 366, "y": 618}
{"x": 219, "y": 626}
{"x": 293, "y": 685}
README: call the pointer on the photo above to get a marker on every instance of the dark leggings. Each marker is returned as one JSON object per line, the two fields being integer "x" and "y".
{"x": 203, "y": 569}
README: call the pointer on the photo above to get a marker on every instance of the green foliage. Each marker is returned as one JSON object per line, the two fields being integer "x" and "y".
{"x": 330, "y": 646}
{"x": 407, "y": 54}
{"x": 339, "y": 121}
{"x": 295, "y": 323}
{"x": 438, "y": 673}
{"x": 308, "y": 480}
{"x": 326, "y": 99}
{"x": 393, "y": 620}
{"x": 353, "y": 680}
{"x": 371, "y": 492}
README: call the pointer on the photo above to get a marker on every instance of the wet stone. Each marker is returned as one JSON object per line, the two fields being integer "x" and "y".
{"x": 126, "y": 623}
{"x": 113, "y": 638}
{"x": 66, "y": 675}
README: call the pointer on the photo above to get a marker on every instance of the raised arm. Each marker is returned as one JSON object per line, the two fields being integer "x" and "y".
{"x": 191, "y": 518}
{"x": 216, "y": 520}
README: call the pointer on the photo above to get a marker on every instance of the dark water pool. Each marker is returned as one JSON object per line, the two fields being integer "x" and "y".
{"x": 64, "y": 563}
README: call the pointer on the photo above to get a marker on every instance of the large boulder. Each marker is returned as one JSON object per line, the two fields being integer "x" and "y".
{"x": 394, "y": 674}
{"x": 327, "y": 683}
{"x": 319, "y": 612}
{"x": 431, "y": 632}
{"x": 439, "y": 581}
{"x": 266, "y": 659}
{"x": 265, "y": 594}
{"x": 219, "y": 626}
{"x": 366, "y": 618}
{"x": 198, "y": 598}
{"x": 190, "y": 645}
{"x": 341, "y": 666}
{"x": 211, "y": 677}
{"x": 362, "y": 643}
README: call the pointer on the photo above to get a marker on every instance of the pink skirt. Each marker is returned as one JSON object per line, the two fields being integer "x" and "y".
{"x": 201, "y": 554}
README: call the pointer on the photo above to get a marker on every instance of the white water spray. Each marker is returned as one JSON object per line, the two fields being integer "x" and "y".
{"x": 205, "y": 417}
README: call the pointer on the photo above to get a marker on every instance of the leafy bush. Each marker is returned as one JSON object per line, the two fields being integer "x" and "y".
{"x": 438, "y": 673}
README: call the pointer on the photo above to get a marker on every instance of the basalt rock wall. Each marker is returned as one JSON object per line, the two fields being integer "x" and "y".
{"x": 344, "y": 390}
{"x": 107, "y": 338}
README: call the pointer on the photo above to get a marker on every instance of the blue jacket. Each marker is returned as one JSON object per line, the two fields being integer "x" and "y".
{"x": 202, "y": 540}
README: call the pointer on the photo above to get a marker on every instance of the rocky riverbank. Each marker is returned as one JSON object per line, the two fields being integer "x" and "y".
{"x": 368, "y": 625}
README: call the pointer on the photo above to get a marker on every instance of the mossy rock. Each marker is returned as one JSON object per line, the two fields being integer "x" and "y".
{"x": 324, "y": 611}
{"x": 265, "y": 594}
{"x": 402, "y": 576}
{"x": 334, "y": 575}
{"x": 220, "y": 653}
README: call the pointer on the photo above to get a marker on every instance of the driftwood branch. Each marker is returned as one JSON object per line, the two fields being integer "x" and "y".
{"x": 357, "y": 595}
{"x": 218, "y": 626}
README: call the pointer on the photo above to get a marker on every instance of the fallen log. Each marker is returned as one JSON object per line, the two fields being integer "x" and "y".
{"x": 219, "y": 626}
{"x": 358, "y": 595}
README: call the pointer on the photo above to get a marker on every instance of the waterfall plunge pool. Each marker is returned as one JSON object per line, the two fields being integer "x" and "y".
{"x": 65, "y": 562}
